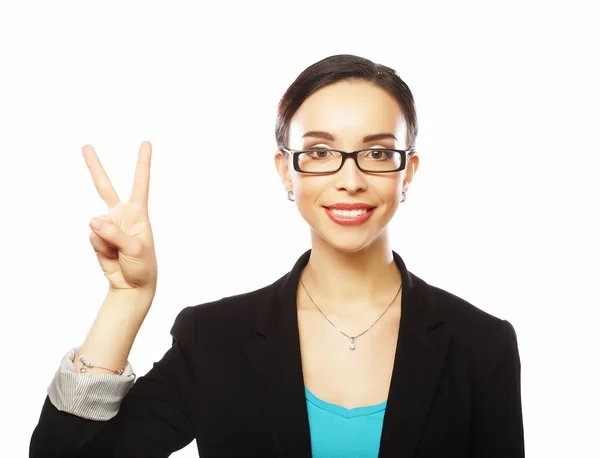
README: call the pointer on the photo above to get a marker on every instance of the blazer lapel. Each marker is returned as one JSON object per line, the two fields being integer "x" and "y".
{"x": 273, "y": 352}
{"x": 421, "y": 351}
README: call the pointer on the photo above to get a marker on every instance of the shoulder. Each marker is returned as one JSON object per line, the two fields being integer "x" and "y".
{"x": 484, "y": 338}
{"x": 228, "y": 316}
{"x": 456, "y": 312}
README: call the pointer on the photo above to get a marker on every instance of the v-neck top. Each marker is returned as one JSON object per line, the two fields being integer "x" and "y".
{"x": 339, "y": 432}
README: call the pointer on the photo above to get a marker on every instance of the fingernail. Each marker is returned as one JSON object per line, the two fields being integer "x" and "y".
{"x": 96, "y": 223}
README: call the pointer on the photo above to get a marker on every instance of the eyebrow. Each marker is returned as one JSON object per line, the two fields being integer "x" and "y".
{"x": 328, "y": 136}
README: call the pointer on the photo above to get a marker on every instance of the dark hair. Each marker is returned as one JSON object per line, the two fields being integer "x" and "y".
{"x": 338, "y": 68}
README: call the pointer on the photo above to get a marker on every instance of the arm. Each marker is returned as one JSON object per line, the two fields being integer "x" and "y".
{"x": 115, "y": 328}
{"x": 154, "y": 418}
{"x": 97, "y": 394}
{"x": 497, "y": 428}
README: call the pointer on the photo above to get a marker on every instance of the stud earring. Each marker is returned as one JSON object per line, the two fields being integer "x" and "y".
{"x": 291, "y": 196}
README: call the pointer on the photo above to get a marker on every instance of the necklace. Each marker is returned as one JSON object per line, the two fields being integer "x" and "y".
{"x": 352, "y": 338}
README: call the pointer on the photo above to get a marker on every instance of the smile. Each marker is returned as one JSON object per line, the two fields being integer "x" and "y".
{"x": 349, "y": 217}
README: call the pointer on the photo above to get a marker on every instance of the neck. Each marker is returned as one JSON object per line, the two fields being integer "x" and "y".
{"x": 343, "y": 282}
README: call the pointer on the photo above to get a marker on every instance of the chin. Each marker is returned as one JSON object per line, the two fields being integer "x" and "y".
{"x": 346, "y": 239}
{"x": 345, "y": 243}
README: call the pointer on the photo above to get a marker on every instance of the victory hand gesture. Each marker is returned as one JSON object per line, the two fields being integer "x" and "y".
{"x": 123, "y": 241}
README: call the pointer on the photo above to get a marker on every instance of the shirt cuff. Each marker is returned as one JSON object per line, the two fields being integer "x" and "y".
{"x": 94, "y": 396}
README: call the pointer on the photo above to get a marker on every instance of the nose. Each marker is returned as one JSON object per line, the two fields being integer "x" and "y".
{"x": 350, "y": 178}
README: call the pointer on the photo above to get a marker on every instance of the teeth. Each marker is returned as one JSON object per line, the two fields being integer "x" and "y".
{"x": 349, "y": 213}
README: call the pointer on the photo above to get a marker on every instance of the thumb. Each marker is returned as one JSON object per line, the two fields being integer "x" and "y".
{"x": 111, "y": 234}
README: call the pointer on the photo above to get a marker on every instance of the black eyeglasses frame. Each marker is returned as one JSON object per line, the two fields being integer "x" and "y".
{"x": 346, "y": 155}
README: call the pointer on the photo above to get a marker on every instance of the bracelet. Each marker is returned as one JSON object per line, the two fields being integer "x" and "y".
{"x": 87, "y": 364}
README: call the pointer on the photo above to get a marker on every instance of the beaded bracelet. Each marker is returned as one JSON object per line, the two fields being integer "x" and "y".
{"x": 87, "y": 364}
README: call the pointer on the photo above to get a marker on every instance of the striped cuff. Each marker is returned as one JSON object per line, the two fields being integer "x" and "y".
{"x": 90, "y": 395}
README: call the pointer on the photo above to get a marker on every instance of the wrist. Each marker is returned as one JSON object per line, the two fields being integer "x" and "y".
{"x": 126, "y": 309}
{"x": 136, "y": 296}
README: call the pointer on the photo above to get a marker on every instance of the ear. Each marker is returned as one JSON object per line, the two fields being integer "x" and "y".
{"x": 282, "y": 163}
{"x": 411, "y": 168}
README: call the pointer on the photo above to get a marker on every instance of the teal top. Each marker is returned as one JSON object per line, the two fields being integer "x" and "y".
{"x": 339, "y": 432}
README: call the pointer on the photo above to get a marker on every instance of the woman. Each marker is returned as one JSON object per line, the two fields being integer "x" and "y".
{"x": 349, "y": 354}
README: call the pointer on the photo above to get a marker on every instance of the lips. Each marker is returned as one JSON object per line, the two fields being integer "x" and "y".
{"x": 350, "y": 206}
{"x": 349, "y": 216}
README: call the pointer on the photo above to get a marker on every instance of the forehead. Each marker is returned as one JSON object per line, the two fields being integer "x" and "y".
{"x": 349, "y": 110}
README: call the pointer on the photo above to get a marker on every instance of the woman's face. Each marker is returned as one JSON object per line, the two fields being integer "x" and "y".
{"x": 340, "y": 116}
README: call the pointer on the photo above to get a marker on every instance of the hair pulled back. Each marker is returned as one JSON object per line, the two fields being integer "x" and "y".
{"x": 339, "y": 68}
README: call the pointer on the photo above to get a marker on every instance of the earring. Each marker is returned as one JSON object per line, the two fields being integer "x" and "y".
{"x": 291, "y": 196}
{"x": 403, "y": 197}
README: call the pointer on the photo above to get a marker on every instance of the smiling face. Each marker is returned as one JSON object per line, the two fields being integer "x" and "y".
{"x": 348, "y": 116}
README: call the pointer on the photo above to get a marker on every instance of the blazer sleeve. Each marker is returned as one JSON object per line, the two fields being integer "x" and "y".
{"x": 497, "y": 429}
{"x": 93, "y": 396}
{"x": 154, "y": 418}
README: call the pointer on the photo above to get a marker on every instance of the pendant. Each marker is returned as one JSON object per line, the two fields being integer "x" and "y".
{"x": 352, "y": 344}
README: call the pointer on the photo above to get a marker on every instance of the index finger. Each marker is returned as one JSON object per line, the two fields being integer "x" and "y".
{"x": 141, "y": 182}
{"x": 101, "y": 180}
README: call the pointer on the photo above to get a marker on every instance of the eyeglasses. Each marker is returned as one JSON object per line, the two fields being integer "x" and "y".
{"x": 371, "y": 160}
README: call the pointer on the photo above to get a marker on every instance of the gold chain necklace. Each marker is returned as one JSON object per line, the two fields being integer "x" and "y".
{"x": 352, "y": 338}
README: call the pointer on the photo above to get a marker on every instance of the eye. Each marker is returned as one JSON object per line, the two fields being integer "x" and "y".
{"x": 379, "y": 154}
{"x": 318, "y": 153}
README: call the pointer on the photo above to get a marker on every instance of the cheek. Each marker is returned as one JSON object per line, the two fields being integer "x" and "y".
{"x": 389, "y": 191}
{"x": 308, "y": 189}
{"x": 309, "y": 195}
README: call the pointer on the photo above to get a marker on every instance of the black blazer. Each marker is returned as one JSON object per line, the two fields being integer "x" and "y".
{"x": 233, "y": 381}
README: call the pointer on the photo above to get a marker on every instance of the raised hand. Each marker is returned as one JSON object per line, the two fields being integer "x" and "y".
{"x": 123, "y": 242}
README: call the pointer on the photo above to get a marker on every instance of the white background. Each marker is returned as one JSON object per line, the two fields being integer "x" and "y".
{"x": 502, "y": 212}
